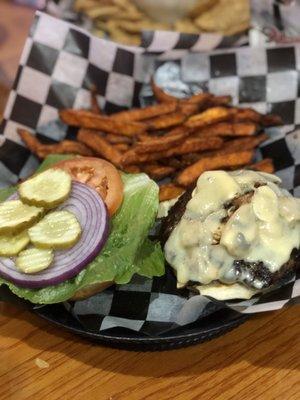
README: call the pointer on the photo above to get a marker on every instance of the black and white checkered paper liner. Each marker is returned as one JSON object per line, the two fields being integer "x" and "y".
{"x": 59, "y": 64}
{"x": 275, "y": 21}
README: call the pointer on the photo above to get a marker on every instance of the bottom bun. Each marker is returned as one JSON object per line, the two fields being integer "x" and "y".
{"x": 91, "y": 290}
{"x": 220, "y": 291}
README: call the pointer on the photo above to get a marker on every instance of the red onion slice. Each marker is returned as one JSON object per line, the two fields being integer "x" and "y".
{"x": 91, "y": 212}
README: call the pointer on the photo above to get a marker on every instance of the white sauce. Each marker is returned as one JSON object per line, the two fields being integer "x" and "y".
{"x": 202, "y": 247}
{"x": 164, "y": 207}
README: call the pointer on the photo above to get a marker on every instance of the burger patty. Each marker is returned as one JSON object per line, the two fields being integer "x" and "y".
{"x": 246, "y": 272}
{"x": 257, "y": 271}
{"x": 169, "y": 223}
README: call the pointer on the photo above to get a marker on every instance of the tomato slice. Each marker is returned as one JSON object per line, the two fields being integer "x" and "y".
{"x": 99, "y": 174}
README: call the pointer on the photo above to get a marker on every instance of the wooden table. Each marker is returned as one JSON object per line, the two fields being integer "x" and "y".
{"x": 14, "y": 26}
{"x": 259, "y": 360}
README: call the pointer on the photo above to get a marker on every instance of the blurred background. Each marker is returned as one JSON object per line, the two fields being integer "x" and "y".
{"x": 256, "y": 21}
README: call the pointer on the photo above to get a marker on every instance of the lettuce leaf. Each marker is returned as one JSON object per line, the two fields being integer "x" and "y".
{"x": 127, "y": 251}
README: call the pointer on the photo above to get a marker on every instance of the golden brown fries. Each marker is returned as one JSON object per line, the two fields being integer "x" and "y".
{"x": 192, "y": 104}
{"x": 175, "y": 162}
{"x": 247, "y": 143}
{"x": 265, "y": 165}
{"x": 191, "y": 173}
{"x": 183, "y": 130}
{"x": 200, "y": 99}
{"x": 144, "y": 137}
{"x": 95, "y": 108}
{"x": 191, "y": 158}
{"x": 150, "y": 144}
{"x": 30, "y": 140}
{"x": 165, "y": 121}
{"x": 116, "y": 139}
{"x": 216, "y": 101}
{"x": 197, "y": 144}
{"x": 156, "y": 171}
{"x": 187, "y": 108}
{"x": 139, "y": 114}
{"x": 247, "y": 114}
{"x": 209, "y": 117}
{"x": 86, "y": 119}
{"x": 244, "y": 129}
{"x": 228, "y": 129}
{"x": 99, "y": 145}
{"x": 176, "y": 139}
{"x": 169, "y": 191}
{"x": 231, "y": 146}
{"x": 63, "y": 147}
{"x": 271, "y": 120}
{"x": 122, "y": 147}
{"x": 160, "y": 95}
{"x": 132, "y": 169}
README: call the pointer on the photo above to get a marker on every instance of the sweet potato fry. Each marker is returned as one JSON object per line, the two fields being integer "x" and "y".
{"x": 174, "y": 162}
{"x": 216, "y": 101}
{"x": 232, "y": 146}
{"x": 160, "y": 143}
{"x": 248, "y": 114}
{"x": 99, "y": 145}
{"x": 241, "y": 144}
{"x": 200, "y": 99}
{"x": 197, "y": 144}
{"x": 271, "y": 120}
{"x": 116, "y": 139}
{"x": 265, "y": 165}
{"x": 95, "y": 108}
{"x": 132, "y": 169}
{"x": 139, "y": 114}
{"x": 184, "y": 130}
{"x": 156, "y": 171}
{"x": 160, "y": 95}
{"x": 86, "y": 119}
{"x": 187, "y": 108}
{"x": 145, "y": 137}
{"x": 163, "y": 97}
{"x": 244, "y": 129}
{"x": 63, "y": 147}
{"x": 228, "y": 129}
{"x": 191, "y": 173}
{"x": 30, "y": 140}
{"x": 169, "y": 191}
{"x": 209, "y": 117}
{"x": 165, "y": 121}
{"x": 122, "y": 147}
{"x": 191, "y": 158}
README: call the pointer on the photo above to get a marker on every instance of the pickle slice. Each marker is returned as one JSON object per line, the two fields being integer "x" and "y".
{"x": 11, "y": 245}
{"x": 48, "y": 189}
{"x": 34, "y": 260}
{"x": 57, "y": 230}
{"x": 16, "y": 216}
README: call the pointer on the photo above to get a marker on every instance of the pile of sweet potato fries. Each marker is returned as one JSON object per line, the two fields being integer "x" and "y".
{"x": 175, "y": 138}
